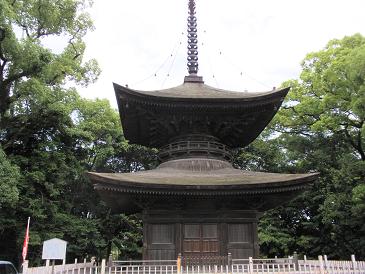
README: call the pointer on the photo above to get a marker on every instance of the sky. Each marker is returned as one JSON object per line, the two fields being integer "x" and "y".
{"x": 244, "y": 45}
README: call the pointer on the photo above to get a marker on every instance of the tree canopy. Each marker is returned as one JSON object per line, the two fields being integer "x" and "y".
{"x": 329, "y": 97}
{"x": 26, "y": 63}
{"x": 50, "y": 136}
{"x": 321, "y": 128}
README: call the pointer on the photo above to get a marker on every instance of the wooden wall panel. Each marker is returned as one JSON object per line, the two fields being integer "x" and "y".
{"x": 192, "y": 246}
{"x": 210, "y": 246}
{"x": 209, "y": 231}
{"x": 241, "y": 240}
{"x": 241, "y": 253}
{"x": 162, "y": 233}
{"x": 162, "y": 254}
{"x": 240, "y": 233}
{"x": 191, "y": 231}
{"x": 161, "y": 242}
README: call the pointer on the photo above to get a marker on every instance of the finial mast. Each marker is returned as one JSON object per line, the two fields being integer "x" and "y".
{"x": 192, "y": 46}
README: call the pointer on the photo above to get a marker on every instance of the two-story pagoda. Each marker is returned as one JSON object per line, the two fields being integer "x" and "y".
{"x": 195, "y": 203}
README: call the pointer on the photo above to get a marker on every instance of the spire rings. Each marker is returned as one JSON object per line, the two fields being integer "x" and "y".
{"x": 192, "y": 40}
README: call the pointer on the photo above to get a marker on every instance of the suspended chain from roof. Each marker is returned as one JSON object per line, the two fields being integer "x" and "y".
{"x": 218, "y": 52}
{"x": 211, "y": 67}
{"x": 171, "y": 65}
{"x": 173, "y": 54}
{"x": 192, "y": 58}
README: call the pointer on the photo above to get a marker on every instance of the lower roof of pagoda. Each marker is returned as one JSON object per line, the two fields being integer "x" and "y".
{"x": 200, "y": 177}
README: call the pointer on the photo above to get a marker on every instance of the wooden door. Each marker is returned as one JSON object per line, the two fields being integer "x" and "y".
{"x": 201, "y": 243}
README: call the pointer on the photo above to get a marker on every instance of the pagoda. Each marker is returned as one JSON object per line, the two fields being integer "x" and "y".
{"x": 195, "y": 203}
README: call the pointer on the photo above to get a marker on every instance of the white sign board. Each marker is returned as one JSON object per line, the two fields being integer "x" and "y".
{"x": 54, "y": 249}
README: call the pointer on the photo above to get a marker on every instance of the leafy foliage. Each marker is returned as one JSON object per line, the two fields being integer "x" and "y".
{"x": 9, "y": 176}
{"x": 50, "y": 136}
{"x": 54, "y": 141}
{"x": 330, "y": 95}
{"x": 321, "y": 128}
{"x": 26, "y": 64}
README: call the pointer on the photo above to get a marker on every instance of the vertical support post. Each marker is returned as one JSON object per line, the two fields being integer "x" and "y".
{"x": 25, "y": 266}
{"x": 103, "y": 263}
{"x": 47, "y": 266}
{"x": 64, "y": 263}
{"x": 74, "y": 269}
{"x": 354, "y": 264}
{"x": 250, "y": 265}
{"x": 305, "y": 258}
{"x": 325, "y": 262}
{"x": 229, "y": 260}
{"x": 295, "y": 260}
{"x": 178, "y": 263}
{"x": 256, "y": 246}
{"x": 321, "y": 267}
{"x": 93, "y": 261}
{"x": 110, "y": 260}
{"x": 53, "y": 263}
{"x": 84, "y": 267}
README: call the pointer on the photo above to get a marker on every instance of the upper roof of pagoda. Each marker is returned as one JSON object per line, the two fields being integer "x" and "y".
{"x": 154, "y": 118}
{"x": 192, "y": 91}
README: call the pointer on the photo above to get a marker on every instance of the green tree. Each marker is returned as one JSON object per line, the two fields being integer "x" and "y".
{"x": 26, "y": 64}
{"x": 36, "y": 114}
{"x": 9, "y": 197}
{"x": 9, "y": 177}
{"x": 55, "y": 138}
{"x": 322, "y": 129}
{"x": 329, "y": 97}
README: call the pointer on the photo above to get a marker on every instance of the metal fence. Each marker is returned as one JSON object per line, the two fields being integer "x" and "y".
{"x": 324, "y": 266}
{"x": 250, "y": 266}
{"x": 75, "y": 268}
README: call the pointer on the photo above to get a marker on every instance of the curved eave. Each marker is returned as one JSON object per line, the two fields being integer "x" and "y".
{"x": 126, "y": 184}
{"x": 203, "y": 96}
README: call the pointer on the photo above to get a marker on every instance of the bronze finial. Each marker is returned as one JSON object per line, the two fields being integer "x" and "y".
{"x": 192, "y": 40}
{"x": 192, "y": 47}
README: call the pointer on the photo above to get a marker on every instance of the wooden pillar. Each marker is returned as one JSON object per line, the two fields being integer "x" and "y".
{"x": 178, "y": 238}
{"x": 145, "y": 237}
{"x": 256, "y": 247}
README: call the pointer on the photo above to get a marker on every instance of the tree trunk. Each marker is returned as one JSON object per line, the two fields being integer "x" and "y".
{"x": 109, "y": 249}
{"x": 4, "y": 99}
